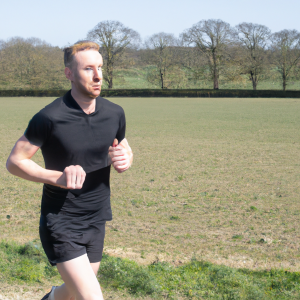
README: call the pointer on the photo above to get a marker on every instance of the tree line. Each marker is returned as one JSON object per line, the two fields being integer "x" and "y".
{"x": 211, "y": 51}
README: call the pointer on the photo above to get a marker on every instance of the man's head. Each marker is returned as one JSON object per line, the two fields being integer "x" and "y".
{"x": 83, "y": 65}
{"x": 70, "y": 52}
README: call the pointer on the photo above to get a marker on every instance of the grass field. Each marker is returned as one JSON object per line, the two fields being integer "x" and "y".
{"x": 213, "y": 179}
{"x": 136, "y": 78}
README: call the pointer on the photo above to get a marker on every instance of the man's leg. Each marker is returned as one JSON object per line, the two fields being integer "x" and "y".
{"x": 80, "y": 280}
{"x": 95, "y": 267}
{"x": 62, "y": 293}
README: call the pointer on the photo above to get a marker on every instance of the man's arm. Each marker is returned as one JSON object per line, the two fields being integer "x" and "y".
{"x": 121, "y": 155}
{"x": 19, "y": 163}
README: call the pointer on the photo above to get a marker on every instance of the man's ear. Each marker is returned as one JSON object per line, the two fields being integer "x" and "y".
{"x": 68, "y": 73}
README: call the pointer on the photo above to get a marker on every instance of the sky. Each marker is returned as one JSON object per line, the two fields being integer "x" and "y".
{"x": 63, "y": 22}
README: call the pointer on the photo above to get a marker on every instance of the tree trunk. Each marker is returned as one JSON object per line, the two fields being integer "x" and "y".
{"x": 254, "y": 84}
{"x": 110, "y": 71}
{"x": 162, "y": 79}
{"x": 253, "y": 78}
{"x": 110, "y": 78}
{"x": 283, "y": 82}
{"x": 110, "y": 83}
{"x": 284, "y": 78}
{"x": 216, "y": 73}
{"x": 216, "y": 81}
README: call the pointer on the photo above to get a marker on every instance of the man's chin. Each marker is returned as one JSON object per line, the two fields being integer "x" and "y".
{"x": 88, "y": 92}
{"x": 94, "y": 93}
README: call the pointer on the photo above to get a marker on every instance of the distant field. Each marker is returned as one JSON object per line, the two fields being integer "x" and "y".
{"x": 136, "y": 78}
{"x": 215, "y": 179}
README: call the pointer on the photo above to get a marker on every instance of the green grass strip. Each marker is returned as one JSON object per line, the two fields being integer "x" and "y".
{"x": 194, "y": 280}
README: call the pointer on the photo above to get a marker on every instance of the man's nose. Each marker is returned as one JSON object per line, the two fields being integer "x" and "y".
{"x": 97, "y": 75}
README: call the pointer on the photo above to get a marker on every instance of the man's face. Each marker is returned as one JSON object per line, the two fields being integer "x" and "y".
{"x": 86, "y": 73}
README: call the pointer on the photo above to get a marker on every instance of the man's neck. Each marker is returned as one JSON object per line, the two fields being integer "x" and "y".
{"x": 88, "y": 105}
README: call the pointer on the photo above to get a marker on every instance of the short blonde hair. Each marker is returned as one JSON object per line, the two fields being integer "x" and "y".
{"x": 70, "y": 51}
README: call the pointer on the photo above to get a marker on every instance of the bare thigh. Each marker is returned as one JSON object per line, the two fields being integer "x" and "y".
{"x": 79, "y": 277}
{"x": 95, "y": 267}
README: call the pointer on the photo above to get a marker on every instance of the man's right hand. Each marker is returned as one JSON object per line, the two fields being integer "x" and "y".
{"x": 72, "y": 178}
{"x": 19, "y": 163}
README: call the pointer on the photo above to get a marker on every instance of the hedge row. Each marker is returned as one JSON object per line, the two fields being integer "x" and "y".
{"x": 161, "y": 93}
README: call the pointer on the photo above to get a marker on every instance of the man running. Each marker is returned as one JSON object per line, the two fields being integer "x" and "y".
{"x": 79, "y": 137}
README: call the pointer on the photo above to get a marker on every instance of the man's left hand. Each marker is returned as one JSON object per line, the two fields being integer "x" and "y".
{"x": 120, "y": 155}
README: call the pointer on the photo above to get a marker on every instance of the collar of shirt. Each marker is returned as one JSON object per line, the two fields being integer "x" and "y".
{"x": 71, "y": 103}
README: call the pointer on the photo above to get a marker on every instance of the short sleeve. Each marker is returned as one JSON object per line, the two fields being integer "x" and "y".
{"x": 38, "y": 129}
{"x": 122, "y": 127}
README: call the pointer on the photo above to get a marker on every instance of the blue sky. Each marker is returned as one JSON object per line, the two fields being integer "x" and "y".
{"x": 60, "y": 22}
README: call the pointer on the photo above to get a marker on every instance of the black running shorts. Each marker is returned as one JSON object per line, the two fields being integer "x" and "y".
{"x": 67, "y": 237}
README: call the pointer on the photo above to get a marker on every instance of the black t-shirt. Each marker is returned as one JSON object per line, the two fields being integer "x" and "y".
{"x": 68, "y": 136}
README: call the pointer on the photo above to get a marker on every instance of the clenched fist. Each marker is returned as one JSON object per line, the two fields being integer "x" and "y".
{"x": 120, "y": 155}
{"x": 72, "y": 178}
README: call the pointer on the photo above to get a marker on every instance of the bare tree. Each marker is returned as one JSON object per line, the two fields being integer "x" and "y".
{"x": 114, "y": 38}
{"x": 31, "y": 63}
{"x": 212, "y": 38}
{"x": 193, "y": 65}
{"x": 286, "y": 54}
{"x": 160, "y": 55}
{"x": 253, "y": 39}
